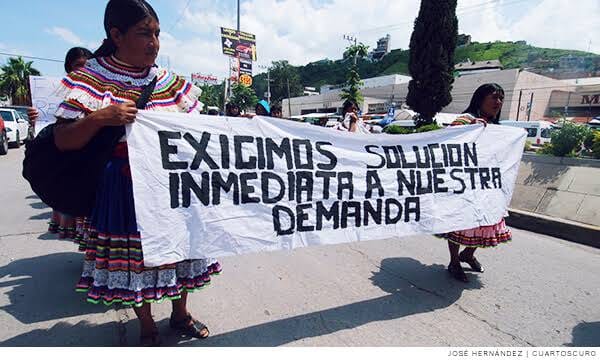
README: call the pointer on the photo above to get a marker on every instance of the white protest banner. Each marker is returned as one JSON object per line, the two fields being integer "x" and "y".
{"x": 209, "y": 186}
{"x": 46, "y": 95}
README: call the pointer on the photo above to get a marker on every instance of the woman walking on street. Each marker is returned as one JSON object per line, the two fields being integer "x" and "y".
{"x": 65, "y": 225}
{"x": 103, "y": 94}
{"x": 484, "y": 108}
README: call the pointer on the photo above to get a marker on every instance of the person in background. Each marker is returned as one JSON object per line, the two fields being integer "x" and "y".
{"x": 232, "y": 110}
{"x": 484, "y": 108}
{"x": 103, "y": 94}
{"x": 66, "y": 226}
{"x": 351, "y": 122}
{"x": 262, "y": 108}
{"x": 276, "y": 111}
{"x": 76, "y": 58}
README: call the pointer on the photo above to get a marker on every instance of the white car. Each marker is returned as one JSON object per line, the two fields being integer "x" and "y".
{"x": 538, "y": 132}
{"x": 17, "y": 127}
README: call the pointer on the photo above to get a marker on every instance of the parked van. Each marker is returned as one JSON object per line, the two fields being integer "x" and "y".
{"x": 538, "y": 132}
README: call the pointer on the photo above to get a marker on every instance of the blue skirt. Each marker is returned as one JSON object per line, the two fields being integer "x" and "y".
{"x": 113, "y": 269}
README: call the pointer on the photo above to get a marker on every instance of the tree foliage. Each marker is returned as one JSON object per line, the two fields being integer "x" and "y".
{"x": 243, "y": 96}
{"x": 212, "y": 95}
{"x": 280, "y": 72}
{"x": 431, "y": 62}
{"x": 14, "y": 79}
{"x": 351, "y": 89}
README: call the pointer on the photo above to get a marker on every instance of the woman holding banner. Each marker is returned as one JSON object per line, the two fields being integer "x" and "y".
{"x": 484, "y": 108}
{"x": 103, "y": 94}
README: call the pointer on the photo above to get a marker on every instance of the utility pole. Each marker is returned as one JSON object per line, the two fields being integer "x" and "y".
{"x": 268, "y": 68}
{"x": 289, "y": 98}
{"x": 519, "y": 105}
{"x": 530, "y": 107}
{"x": 269, "y": 86}
{"x": 352, "y": 39}
{"x": 238, "y": 15}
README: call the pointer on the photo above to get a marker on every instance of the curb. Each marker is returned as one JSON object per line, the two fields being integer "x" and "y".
{"x": 564, "y": 229}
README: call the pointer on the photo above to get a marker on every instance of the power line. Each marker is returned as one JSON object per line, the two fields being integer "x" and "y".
{"x": 460, "y": 11}
{"x": 31, "y": 57}
{"x": 180, "y": 16}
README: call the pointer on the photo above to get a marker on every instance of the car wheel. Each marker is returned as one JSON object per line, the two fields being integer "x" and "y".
{"x": 17, "y": 143}
{"x": 30, "y": 134}
{"x": 3, "y": 143}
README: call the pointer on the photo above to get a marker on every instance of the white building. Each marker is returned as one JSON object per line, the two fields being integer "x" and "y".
{"x": 527, "y": 95}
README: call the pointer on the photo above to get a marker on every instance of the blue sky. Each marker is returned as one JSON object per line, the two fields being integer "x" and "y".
{"x": 297, "y": 30}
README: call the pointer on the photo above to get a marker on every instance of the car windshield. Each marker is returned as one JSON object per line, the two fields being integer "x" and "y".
{"x": 7, "y": 115}
{"x": 23, "y": 113}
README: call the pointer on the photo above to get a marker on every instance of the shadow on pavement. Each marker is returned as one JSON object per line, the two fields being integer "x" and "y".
{"x": 63, "y": 333}
{"x": 44, "y": 288}
{"x": 42, "y": 216}
{"x": 586, "y": 334}
{"x": 39, "y": 205}
{"x": 414, "y": 288}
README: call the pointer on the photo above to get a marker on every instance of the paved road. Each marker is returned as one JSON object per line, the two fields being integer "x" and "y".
{"x": 537, "y": 291}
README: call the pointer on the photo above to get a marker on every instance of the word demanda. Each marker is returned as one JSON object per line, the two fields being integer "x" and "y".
{"x": 300, "y": 154}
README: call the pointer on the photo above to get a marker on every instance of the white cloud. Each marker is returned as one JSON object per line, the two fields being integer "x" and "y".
{"x": 562, "y": 24}
{"x": 302, "y": 31}
{"x": 66, "y": 35}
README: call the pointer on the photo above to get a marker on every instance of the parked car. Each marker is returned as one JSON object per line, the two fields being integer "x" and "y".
{"x": 17, "y": 126}
{"x": 3, "y": 138}
{"x": 23, "y": 111}
{"x": 538, "y": 132}
{"x": 595, "y": 123}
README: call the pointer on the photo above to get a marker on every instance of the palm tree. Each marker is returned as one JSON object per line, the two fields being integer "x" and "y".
{"x": 14, "y": 79}
{"x": 359, "y": 50}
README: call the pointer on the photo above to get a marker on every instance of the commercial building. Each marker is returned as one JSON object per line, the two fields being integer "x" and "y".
{"x": 528, "y": 96}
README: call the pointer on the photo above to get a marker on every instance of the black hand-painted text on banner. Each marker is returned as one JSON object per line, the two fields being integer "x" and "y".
{"x": 209, "y": 179}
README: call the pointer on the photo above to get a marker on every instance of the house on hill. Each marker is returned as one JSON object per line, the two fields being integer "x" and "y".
{"x": 475, "y": 67}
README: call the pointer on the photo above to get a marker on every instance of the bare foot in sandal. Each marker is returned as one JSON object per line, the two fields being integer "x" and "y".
{"x": 189, "y": 326}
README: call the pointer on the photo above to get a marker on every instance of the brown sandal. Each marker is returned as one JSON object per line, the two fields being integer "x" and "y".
{"x": 190, "y": 326}
{"x": 473, "y": 263}
{"x": 457, "y": 272}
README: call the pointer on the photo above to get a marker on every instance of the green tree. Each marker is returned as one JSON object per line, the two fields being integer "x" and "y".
{"x": 212, "y": 95}
{"x": 351, "y": 90}
{"x": 356, "y": 52}
{"x": 281, "y": 71}
{"x": 431, "y": 62}
{"x": 14, "y": 79}
{"x": 243, "y": 96}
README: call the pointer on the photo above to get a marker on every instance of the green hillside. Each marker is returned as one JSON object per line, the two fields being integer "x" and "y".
{"x": 511, "y": 55}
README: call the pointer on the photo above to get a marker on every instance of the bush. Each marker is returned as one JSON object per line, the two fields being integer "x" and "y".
{"x": 429, "y": 127}
{"x": 397, "y": 130}
{"x": 528, "y": 145}
{"x": 546, "y": 149}
{"x": 588, "y": 141}
{"x": 596, "y": 145}
{"x": 567, "y": 140}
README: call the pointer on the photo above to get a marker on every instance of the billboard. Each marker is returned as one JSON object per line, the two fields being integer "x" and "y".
{"x": 238, "y": 44}
{"x": 199, "y": 79}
